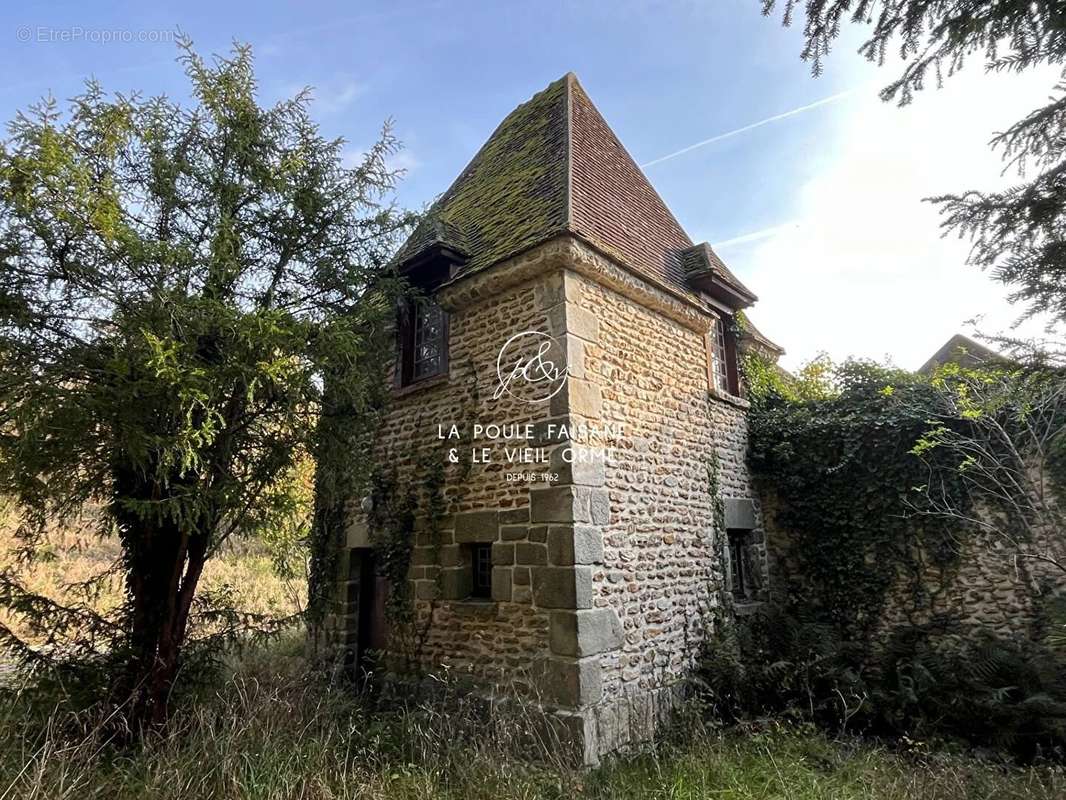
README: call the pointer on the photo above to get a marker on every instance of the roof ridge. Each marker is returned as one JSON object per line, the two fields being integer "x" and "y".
{"x": 571, "y": 80}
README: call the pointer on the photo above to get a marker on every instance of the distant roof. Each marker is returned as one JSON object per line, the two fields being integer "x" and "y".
{"x": 960, "y": 350}
{"x": 554, "y": 166}
{"x": 750, "y": 332}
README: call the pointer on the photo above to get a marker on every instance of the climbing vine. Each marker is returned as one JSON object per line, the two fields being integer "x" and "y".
{"x": 397, "y": 509}
{"x": 344, "y": 427}
{"x": 834, "y": 447}
{"x": 714, "y": 485}
{"x": 401, "y": 509}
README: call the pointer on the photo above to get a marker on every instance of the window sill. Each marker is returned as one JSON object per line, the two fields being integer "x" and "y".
{"x": 731, "y": 399}
{"x": 745, "y": 608}
{"x": 475, "y": 606}
{"x": 418, "y": 386}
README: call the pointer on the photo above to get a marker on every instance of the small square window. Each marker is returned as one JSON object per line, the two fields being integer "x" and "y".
{"x": 481, "y": 570}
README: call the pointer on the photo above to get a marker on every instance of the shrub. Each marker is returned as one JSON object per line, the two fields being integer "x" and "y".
{"x": 973, "y": 686}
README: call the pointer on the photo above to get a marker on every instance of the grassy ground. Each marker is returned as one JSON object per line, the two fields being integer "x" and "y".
{"x": 270, "y": 734}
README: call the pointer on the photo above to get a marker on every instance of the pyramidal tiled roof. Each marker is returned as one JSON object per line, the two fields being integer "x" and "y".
{"x": 554, "y": 166}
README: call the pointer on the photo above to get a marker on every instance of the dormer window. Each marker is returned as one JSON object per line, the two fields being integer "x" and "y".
{"x": 435, "y": 253}
{"x": 423, "y": 341}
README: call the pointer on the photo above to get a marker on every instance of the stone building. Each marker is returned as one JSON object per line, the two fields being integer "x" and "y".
{"x": 568, "y": 388}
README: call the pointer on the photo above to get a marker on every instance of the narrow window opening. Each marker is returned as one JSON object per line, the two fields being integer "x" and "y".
{"x": 723, "y": 357}
{"x": 481, "y": 566}
{"x": 424, "y": 341}
{"x": 739, "y": 569}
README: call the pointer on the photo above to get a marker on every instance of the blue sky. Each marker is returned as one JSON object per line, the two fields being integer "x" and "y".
{"x": 801, "y": 205}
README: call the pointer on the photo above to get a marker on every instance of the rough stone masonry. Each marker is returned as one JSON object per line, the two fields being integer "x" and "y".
{"x": 606, "y": 577}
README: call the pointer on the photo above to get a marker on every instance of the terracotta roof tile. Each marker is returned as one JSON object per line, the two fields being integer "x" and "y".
{"x": 612, "y": 203}
{"x": 553, "y": 166}
{"x": 512, "y": 194}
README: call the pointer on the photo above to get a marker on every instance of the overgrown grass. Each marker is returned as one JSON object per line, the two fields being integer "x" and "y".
{"x": 74, "y": 556}
{"x": 270, "y": 731}
{"x": 270, "y": 734}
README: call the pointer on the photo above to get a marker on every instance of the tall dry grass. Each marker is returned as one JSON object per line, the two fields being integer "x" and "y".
{"x": 271, "y": 732}
{"x": 72, "y": 556}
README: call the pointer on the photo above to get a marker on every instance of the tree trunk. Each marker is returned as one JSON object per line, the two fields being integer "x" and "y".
{"x": 163, "y": 564}
{"x": 166, "y": 565}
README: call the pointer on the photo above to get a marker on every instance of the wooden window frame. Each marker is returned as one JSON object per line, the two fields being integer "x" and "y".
{"x": 425, "y": 275}
{"x": 723, "y": 372}
{"x": 740, "y": 583}
{"x": 409, "y": 330}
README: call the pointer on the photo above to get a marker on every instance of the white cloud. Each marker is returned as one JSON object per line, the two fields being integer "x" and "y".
{"x": 861, "y": 268}
{"x": 404, "y": 160}
{"x": 338, "y": 97}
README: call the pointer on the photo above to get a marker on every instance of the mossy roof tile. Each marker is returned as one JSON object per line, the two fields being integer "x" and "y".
{"x": 553, "y": 166}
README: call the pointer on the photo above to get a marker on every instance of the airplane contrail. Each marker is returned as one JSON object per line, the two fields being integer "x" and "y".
{"x": 823, "y": 102}
{"x": 754, "y": 236}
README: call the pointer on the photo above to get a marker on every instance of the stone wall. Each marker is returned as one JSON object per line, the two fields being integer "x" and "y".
{"x": 663, "y": 571}
{"x": 486, "y": 642}
{"x": 985, "y": 587}
{"x": 605, "y": 581}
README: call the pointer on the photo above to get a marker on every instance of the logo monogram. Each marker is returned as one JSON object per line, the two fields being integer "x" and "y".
{"x": 527, "y": 369}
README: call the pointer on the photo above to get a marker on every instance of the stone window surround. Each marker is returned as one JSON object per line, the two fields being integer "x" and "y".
{"x": 472, "y": 528}
{"x": 740, "y": 516}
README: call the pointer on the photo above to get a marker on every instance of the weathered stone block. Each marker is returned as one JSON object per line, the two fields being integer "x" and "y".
{"x": 575, "y": 544}
{"x": 455, "y": 583}
{"x": 502, "y": 554}
{"x": 538, "y": 533}
{"x": 578, "y": 465}
{"x": 510, "y": 533}
{"x": 421, "y": 556}
{"x": 550, "y": 432}
{"x": 562, "y": 587}
{"x": 426, "y": 590}
{"x": 514, "y": 516}
{"x": 600, "y": 506}
{"x": 574, "y": 349}
{"x": 585, "y": 633}
{"x": 557, "y": 288}
{"x": 571, "y": 683}
{"x": 574, "y": 320}
{"x": 501, "y": 584}
{"x": 739, "y": 513}
{"x": 531, "y": 554}
{"x": 521, "y": 576}
{"x": 522, "y": 594}
{"x": 558, "y": 504}
{"x": 451, "y": 555}
{"x": 477, "y": 526}
{"x": 580, "y": 397}
{"x": 358, "y": 534}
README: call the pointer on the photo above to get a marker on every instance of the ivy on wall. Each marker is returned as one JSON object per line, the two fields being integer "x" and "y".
{"x": 834, "y": 447}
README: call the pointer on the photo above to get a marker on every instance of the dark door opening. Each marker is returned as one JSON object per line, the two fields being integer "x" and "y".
{"x": 372, "y": 631}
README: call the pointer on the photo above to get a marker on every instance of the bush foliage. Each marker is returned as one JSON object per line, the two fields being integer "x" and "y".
{"x": 870, "y": 473}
